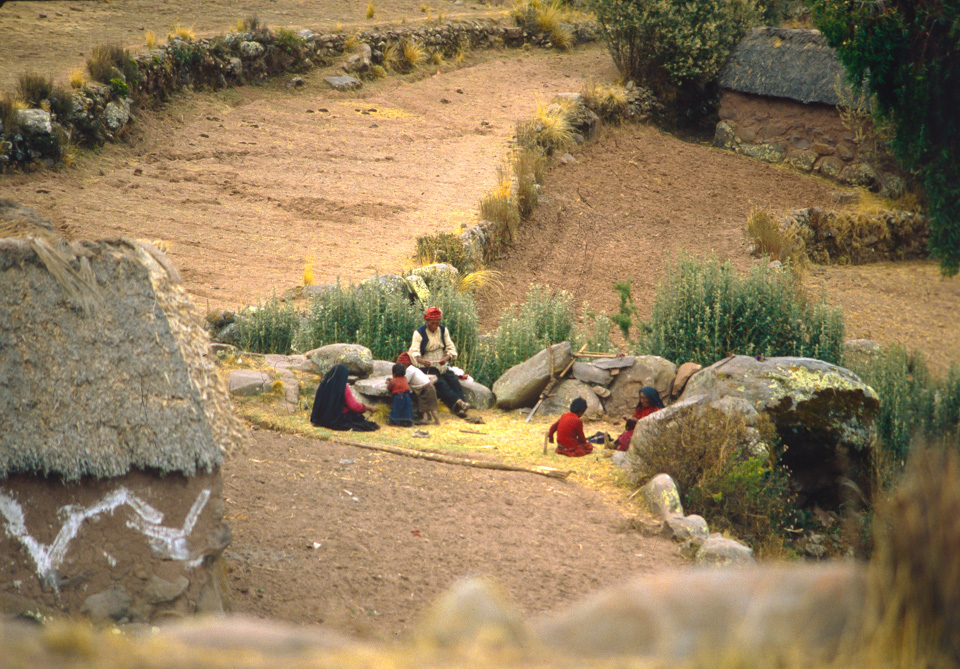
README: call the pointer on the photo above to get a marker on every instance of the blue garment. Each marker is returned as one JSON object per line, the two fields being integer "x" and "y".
{"x": 402, "y": 412}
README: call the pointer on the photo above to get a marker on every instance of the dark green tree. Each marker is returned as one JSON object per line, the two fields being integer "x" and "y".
{"x": 906, "y": 53}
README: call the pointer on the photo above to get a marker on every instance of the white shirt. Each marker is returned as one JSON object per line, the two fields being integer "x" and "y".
{"x": 416, "y": 378}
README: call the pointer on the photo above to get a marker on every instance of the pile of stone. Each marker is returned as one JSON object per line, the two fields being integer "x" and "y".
{"x": 609, "y": 385}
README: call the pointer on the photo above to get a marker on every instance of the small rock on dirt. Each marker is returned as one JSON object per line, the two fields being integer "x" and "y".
{"x": 110, "y": 604}
{"x": 343, "y": 83}
{"x": 159, "y": 590}
{"x": 722, "y": 552}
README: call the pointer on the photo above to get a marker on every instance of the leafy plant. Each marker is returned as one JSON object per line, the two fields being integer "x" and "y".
{"x": 703, "y": 312}
{"x": 628, "y": 310}
{"x": 120, "y": 87}
{"x": 267, "y": 328}
{"x": 905, "y": 53}
{"x": 674, "y": 47}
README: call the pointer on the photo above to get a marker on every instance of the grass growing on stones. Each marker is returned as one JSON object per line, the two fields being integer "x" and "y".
{"x": 109, "y": 61}
{"x": 779, "y": 243}
{"x": 606, "y": 101}
{"x": 413, "y": 53}
{"x": 33, "y": 87}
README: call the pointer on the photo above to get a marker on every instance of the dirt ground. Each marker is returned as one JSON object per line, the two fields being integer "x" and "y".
{"x": 54, "y": 38}
{"x": 394, "y": 532}
{"x": 638, "y": 198}
{"x": 246, "y": 185}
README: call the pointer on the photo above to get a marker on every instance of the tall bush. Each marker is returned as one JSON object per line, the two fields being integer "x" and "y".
{"x": 907, "y": 54}
{"x": 675, "y": 47}
{"x": 703, "y": 312}
{"x": 267, "y": 328}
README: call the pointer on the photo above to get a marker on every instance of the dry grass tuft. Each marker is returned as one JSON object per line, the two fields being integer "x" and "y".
{"x": 413, "y": 53}
{"x": 180, "y": 32}
{"x": 549, "y": 130}
{"x": 352, "y": 42}
{"x": 109, "y": 61}
{"x": 562, "y": 37}
{"x": 548, "y": 17}
{"x": 529, "y": 167}
{"x": 78, "y": 78}
{"x": 436, "y": 58}
{"x": 308, "y": 272}
{"x": 150, "y": 38}
{"x": 371, "y": 10}
{"x": 33, "y": 87}
{"x": 378, "y": 72}
{"x": 783, "y": 243}
{"x": 423, "y": 7}
{"x": 499, "y": 208}
{"x": 8, "y": 114}
{"x": 391, "y": 56}
{"x": 477, "y": 279}
{"x": 607, "y": 101}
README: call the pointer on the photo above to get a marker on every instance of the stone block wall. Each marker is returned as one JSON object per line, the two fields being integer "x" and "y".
{"x": 808, "y": 137}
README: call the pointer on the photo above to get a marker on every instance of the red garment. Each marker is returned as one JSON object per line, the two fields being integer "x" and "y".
{"x": 623, "y": 441}
{"x": 433, "y": 314}
{"x": 351, "y": 404}
{"x": 570, "y": 438}
{"x": 398, "y": 384}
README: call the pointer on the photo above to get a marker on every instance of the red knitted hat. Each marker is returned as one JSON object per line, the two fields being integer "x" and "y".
{"x": 432, "y": 314}
{"x": 404, "y": 359}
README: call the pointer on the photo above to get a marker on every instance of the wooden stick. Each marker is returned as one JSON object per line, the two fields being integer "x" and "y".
{"x": 588, "y": 354}
{"x": 451, "y": 460}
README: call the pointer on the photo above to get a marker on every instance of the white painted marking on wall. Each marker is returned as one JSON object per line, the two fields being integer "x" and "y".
{"x": 112, "y": 561}
{"x": 169, "y": 541}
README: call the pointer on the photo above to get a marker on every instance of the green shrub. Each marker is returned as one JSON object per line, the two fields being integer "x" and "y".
{"x": 725, "y": 474}
{"x": 33, "y": 87}
{"x": 905, "y": 53}
{"x": 703, "y": 312}
{"x": 545, "y": 318}
{"x": 674, "y": 47}
{"x": 912, "y": 402}
{"x": 268, "y": 327}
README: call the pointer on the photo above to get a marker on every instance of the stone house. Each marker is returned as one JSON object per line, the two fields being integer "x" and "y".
{"x": 113, "y": 427}
{"x": 780, "y": 93}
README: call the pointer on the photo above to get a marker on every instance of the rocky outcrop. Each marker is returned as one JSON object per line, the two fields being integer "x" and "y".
{"x": 521, "y": 385}
{"x": 565, "y": 392}
{"x": 358, "y": 359}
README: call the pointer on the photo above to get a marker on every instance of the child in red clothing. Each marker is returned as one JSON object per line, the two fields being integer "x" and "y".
{"x": 402, "y": 411}
{"x": 569, "y": 430}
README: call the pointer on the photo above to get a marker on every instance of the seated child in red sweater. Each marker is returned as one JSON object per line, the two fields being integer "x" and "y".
{"x": 569, "y": 430}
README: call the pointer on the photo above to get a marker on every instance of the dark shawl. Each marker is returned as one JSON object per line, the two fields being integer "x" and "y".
{"x": 328, "y": 403}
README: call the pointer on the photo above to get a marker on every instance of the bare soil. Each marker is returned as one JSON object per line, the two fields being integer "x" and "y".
{"x": 245, "y": 186}
{"x": 638, "y": 198}
{"x": 364, "y": 541}
{"x": 55, "y": 38}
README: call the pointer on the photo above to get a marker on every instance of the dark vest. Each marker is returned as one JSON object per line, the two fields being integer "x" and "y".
{"x": 423, "y": 337}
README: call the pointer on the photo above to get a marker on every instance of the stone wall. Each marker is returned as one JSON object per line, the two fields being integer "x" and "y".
{"x": 99, "y": 112}
{"x": 808, "y": 137}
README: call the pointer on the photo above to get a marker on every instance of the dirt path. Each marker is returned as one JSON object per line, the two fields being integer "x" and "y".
{"x": 638, "y": 197}
{"x": 245, "y": 185}
{"x": 394, "y": 532}
{"x": 54, "y": 38}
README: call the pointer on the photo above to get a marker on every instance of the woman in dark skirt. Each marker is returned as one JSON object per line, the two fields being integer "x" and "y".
{"x": 335, "y": 407}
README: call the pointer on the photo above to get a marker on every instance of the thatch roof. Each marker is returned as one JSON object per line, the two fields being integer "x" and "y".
{"x": 104, "y": 363}
{"x": 794, "y": 64}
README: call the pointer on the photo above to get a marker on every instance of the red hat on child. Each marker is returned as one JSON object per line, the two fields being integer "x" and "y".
{"x": 404, "y": 359}
{"x": 433, "y": 314}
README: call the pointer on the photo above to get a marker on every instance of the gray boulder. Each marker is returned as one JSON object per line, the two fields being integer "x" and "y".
{"x": 661, "y": 497}
{"x": 521, "y": 385}
{"x": 247, "y": 382}
{"x": 251, "y": 50}
{"x": 358, "y": 359}
{"x": 110, "y": 604}
{"x": 439, "y": 269}
{"x": 343, "y": 83}
{"x": 478, "y": 395}
{"x": 824, "y": 415}
{"x": 375, "y": 386}
{"x": 159, "y": 590}
{"x": 618, "y": 362}
{"x": 34, "y": 121}
{"x": 565, "y": 392}
{"x": 647, "y": 370}
{"x": 685, "y": 528}
{"x": 590, "y": 373}
{"x": 382, "y": 368}
{"x": 684, "y": 372}
{"x": 722, "y": 552}
{"x": 299, "y": 363}
{"x": 472, "y": 608}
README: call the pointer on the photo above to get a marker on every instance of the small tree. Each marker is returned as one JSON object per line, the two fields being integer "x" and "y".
{"x": 675, "y": 47}
{"x": 907, "y": 54}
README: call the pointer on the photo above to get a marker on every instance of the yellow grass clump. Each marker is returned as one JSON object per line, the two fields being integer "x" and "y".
{"x": 783, "y": 243}
{"x": 413, "y": 53}
{"x": 180, "y": 32}
{"x": 308, "y": 272}
{"x": 78, "y": 78}
{"x": 150, "y": 38}
{"x": 371, "y": 10}
{"x": 436, "y": 58}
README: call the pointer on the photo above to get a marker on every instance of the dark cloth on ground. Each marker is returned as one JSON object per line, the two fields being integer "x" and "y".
{"x": 334, "y": 406}
{"x": 448, "y": 386}
{"x": 570, "y": 438}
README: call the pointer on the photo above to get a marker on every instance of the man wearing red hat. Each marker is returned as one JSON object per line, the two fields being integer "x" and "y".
{"x": 431, "y": 350}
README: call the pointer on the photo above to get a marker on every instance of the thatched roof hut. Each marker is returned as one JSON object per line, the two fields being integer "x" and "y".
{"x": 104, "y": 362}
{"x": 793, "y": 64}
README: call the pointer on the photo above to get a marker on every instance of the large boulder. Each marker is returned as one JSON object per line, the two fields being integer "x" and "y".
{"x": 358, "y": 359}
{"x": 590, "y": 373}
{"x": 375, "y": 386}
{"x": 565, "y": 392}
{"x": 478, "y": 395}
{"x": 521, "y": 385}
{"x": 646, "y": 370}
{"x": 824, "y": 415}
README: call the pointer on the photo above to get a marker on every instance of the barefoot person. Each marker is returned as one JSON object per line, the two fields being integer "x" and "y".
{"x": 649, "y": 402}
{"x": 569, "y": 431}
{"x": 335, "y": 407}
{"x": 431, "y": 349}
